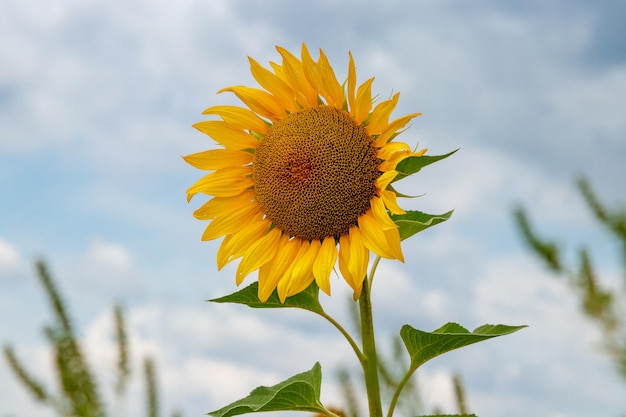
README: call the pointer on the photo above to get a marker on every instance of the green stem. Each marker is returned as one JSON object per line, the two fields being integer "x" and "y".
{"x": 373, "y": 271}
{"x": 328, "y": 413}
{"x": 370, "y": 360}
{"x": 399, "y": 389}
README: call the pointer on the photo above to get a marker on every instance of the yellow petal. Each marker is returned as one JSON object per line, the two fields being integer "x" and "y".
{"x": 385, "y": 179}
{"x": 225, "y": 182}
{"x": 388, "y": 165}
{"x": 223, "y": 205}
{"x": 257, "y": 255}
{"x": 353, "y": 260}
{"x": 299, "y": 275}
{"x": 259, "y": 101}
{"x": 231, "y": 223}
{"x": 238, "y": 118}
{"x": 294, "y": 74}
{"x": 278, "y": 70}
{"x": 234, "y": 246}
{"x": 393, "y": 128}
{"x": 391, "y": 163}
{"x": 224, "y": 134}
{"x": 277, "y": 87}
{"x": 393, "y": 240}
{"x": 379, "y": 212}
{"x": 391, "y": 201}
{"x": 351, "y": 84}
{"x": 390, "y": 149}
{"x": 299, "y": 285}
{"x": 222, "y": 252}
{"x": 380, "y": 116}
{"x": 373, "y": 236}
{"x": 324, "y": 263}
{"x": 322, "y": 78}
{"x": 272, "y": 272}
{"x": 218, "y": 158}
{"x": 309, "y": 67}
{"x": 344, "y": 257}
{"x": 375, "y": 239}
{"x": 393, "y": 153}
{"x": 333, "y": 92}
{"x": 363, "y": 103}
{"x": 302, "y": 270}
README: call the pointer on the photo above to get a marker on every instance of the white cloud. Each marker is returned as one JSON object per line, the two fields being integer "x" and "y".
{"x": 483, "y": 183}
{"x": 401, "y": 294}
{"x": 514, "y": 291}
{"x": 112, "y": 79}
{"x": 10, "y": 258}
{"x": 516, "y": 288}
{"x": 107, "y": 255}
{"x": 437, "y": 390}
{"x": 595, "y": 106}
{"x": 205, "y": 358}
{"x": 218, "y": 381}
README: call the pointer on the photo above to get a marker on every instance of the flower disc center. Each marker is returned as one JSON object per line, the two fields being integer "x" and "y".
{"x": 315, "y": 173}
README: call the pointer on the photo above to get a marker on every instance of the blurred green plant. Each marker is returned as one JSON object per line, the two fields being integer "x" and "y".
{"x": 78, "y": 393}
{"x": 602, "y": 304}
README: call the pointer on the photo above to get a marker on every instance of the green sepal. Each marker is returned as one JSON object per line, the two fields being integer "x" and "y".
{"x": 307, "y": 299}
{"x": 413, "y": 164}
{"x": 423, "y": 346}
{"x": 399, "y": 194}
{"x": 299, "y": 393}
{"x": 414, "y": 221}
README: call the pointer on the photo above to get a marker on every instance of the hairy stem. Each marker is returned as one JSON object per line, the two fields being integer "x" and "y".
{"x": 370, "y": 360}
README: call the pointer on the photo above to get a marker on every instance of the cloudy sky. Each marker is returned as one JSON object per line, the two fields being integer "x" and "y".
{"x": 96, "y": 103}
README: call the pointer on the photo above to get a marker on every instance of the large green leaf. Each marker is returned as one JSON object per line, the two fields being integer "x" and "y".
{"x": 307, "y": 299}
{"x": 414, "y": 221}
{"x": 423, "y": 346}
{"x": 413, "y": 164}
{"x": 299, "y": 393}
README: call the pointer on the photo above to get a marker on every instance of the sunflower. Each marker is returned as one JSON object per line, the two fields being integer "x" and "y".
{"x": 301, "y": 178}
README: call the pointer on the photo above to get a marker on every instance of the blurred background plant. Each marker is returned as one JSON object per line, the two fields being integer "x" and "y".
{"x": 78, "y": 393}
{"x": 602, "y": 302}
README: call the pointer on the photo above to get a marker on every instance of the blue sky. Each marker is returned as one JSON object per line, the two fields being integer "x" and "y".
{"x": 96, "y": 105}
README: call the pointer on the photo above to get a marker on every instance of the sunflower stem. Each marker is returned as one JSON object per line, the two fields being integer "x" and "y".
{"x": 370, "y": 360}
{"x": 398, "y": 391}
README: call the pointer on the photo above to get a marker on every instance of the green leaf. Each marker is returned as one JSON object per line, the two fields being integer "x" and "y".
{"x": 413, "y": 164}
{"x": 299, "y": 393}
{"x": 423, "y": 346}
{"x": 414, "y": 221}
{"x": 307, "y": 299}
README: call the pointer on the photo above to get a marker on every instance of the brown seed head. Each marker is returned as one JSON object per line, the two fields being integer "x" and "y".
{"x": 314, "y": 173}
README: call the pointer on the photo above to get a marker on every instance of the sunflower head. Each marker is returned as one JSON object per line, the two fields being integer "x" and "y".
{"x": 300, "y": 177}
